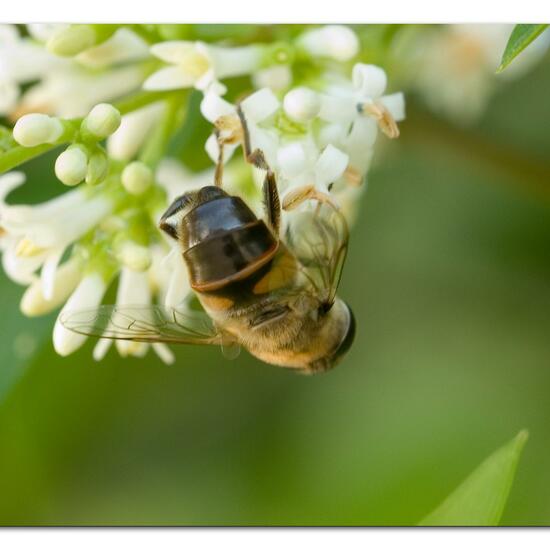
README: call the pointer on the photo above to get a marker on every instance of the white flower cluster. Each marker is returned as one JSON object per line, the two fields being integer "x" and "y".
{"x": 67, "y": 86}
{"x": 317, "y": 132}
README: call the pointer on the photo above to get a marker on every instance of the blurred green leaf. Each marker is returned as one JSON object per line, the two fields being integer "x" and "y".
{"x": 521, "y": 37}
{"x": 481, "y": 497}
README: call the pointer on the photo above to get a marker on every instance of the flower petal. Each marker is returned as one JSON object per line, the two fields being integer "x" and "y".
{"x": 48, "y": 272}
{"x": 101, "y": 348}
{"x": 395, "y": 104}
{"x": 88, "y": 294}
{"x": 292, "y": 160}
{"x": 173, "y": 51}
{"x": 337, "y": 109}
{"x": 165, "y": 353}
{"x": 213, "y": 107}
{"x": 212, "y": 149}
{"x": 330, "y": 166}
{"x": 9, "y": 182}
{"x": 260, "y": 105}
{"x": 169, "y": 78}
{"x": 369, "y": 81}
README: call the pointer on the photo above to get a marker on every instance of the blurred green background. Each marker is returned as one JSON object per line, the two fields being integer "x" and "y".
{"x": 449, "y": 277}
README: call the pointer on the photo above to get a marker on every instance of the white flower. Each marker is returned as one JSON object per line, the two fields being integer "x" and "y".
{"x": 365, "y": 98}
{"x": 123, "y": 47}
{"x": 257, "y": 108}
{"x": 57, "y": 222}
{"x": 37, "y": 236}
{"x": 334, "y": 41}
{"x": 277, "y": 78}
{"x": 73, "y": 91}
{"x": 200, "y": 65}
{"x": 354, "y": 111}
{"x": 301, "y": 163}
{"x": 302, "y": 104}
{"x": 132, "y": 132}
{"x": 88, "y": 294}
{"x": 21, "y": 62}
{"x": 133, "y": 290}
{"x": 52, "y": 290}
{"x": 42, "y": 32}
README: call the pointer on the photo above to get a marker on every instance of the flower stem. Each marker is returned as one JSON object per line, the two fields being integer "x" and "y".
{"x": 155, "y": 147}
{"x": 19, "y": 154}
{"x": 141, "y": 99}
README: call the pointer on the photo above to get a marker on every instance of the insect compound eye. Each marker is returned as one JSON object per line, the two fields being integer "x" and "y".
{"x": 170, "y": 219}
{"x": 348, "y": 339}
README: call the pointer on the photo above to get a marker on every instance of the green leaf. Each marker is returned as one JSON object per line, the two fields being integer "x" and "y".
{"x": 521, "y": 37}
{"x": 481, "y": 497}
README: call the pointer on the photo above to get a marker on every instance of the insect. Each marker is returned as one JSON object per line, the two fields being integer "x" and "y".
{"x": 273, "y": 294}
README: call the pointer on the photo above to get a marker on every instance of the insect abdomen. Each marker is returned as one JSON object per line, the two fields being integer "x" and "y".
{"x": 223, "y": 241}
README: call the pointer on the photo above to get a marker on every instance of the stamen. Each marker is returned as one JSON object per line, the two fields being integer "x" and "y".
{"x": 383, "y": 117}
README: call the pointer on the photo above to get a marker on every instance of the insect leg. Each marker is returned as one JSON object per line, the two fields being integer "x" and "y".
{"x": 299, "y": 195}
{"x": 256, "y": 157}
{"x": 218, "y": 174}
{"x": 272, "y": 204}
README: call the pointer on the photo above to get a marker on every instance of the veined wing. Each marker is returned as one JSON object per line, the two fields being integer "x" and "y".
{"x": 150, "y": 324}
{"x": 319, "y": 240}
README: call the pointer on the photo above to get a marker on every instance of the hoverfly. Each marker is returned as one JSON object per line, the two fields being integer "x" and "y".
{"x": 273, "y": 294}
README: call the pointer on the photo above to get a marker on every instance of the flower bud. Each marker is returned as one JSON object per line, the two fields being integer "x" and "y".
{"x": 335, "y": 41}
{"x": 134, "y": 256}
{"x": 72, "y": 40}
{"x": 71, "y": 166}
{"x": 277, "y": 77}
{"x": 137, "y": 177}
{"x": 35, "y": 129}
{"x": 102, "y": 121}
{"x": 302, "y": 104}
{"x": 97, "y": 168}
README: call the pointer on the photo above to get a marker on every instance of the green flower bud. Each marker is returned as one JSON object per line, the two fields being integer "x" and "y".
{"x": 71, "y": 166}
{"x": 98, "y": 166}
{"x": 102, "y": 121}
{"x": 137, "y": 177}
{"x": 134, "y": 256}
{"x": 35, "y": 129}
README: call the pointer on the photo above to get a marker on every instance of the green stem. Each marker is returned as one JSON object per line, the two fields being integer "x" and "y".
{"x": 19, "y": 154}
{"x": 155, "y": 147}
{"x": 141, "y": 99}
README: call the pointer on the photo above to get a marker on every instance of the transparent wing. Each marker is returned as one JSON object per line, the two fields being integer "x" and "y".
{"x": 151, "y": 324}
{"x": 319, "y": 240}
